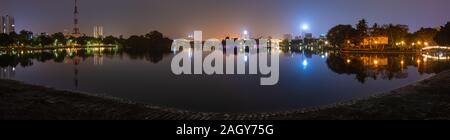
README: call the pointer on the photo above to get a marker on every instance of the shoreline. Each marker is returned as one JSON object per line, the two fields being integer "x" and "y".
{"x": 54, "y": 48}
{"x": 425, "y": 99}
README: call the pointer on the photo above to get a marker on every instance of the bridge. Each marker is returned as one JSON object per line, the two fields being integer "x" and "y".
{"x": 436, "y": 47}
{"x": 436, "y": 52}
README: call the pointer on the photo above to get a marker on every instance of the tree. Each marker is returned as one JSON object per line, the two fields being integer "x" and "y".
{"x": 6, "y": 40}
{"x": 424, "y": 35}
{"x": 44, "y": 40}
{"x": 59, "y": 38}
{"x": 86, "y": 40}
{"x": 154, "y": 35}
{"x": 396, "y": 33}
{"x": 110, "y": 40}
{"x": 443, "y": 36}
{"x": 362, "y": 31}
{"x": 26, "y": 37}
{"x": 340, "y": 35}
{"x": 15, "y": 38}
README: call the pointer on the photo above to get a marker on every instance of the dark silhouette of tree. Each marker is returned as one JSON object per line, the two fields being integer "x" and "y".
{"x": 44, "y": 39}
{"x": 6, "y": 40}
{"x": 362, "y": 31}
{"x": 341, "y": 34}
{"x": 154, "y": 35}
{"x": 59, "y": 38}
{"x": 425, "y": 35}
{"x": 396, "y": 33}
{"x": 15, "y": 38}
{"x": 25, "y": 37}
{"x": 443, "y": 36}
{"x": 151, "y": 46}
{"x": 110, "y": 40}
{"x": 85, "y": 40}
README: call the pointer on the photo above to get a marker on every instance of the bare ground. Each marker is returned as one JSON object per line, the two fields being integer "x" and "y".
{"x": 425, "y": 100}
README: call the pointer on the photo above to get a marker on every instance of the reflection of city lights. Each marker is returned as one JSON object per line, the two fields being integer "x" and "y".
{"x": 305, "y": 63}
{"x": 190, "y": 53}
{"x": 375, "y": 62}
{"x": 348, "y": 60}
{"x": 402, "y": 62}
{"x": 418, "y": 61}
{"x": 13, "y": 69}
{"x": 440, "y": 57}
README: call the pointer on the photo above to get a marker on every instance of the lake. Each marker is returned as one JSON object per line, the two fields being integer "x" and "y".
{"x": 309, "y": 77}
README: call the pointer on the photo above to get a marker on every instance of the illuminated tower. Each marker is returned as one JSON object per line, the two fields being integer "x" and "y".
{"x": 76, "y": 30}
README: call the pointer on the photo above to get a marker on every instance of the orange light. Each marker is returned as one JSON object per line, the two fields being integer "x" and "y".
{"x": 375, "y": 62}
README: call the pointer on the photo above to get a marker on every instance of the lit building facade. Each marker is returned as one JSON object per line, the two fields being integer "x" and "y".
{"x": 98, "y": 32}
{"x": 375, "y": 41}
{"x": 7, "y": 24}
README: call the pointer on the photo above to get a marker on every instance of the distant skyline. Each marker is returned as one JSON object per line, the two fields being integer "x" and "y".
{"x": 218, "y": 18}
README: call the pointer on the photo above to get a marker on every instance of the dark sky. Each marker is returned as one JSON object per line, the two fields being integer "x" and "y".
{"x": 217, "y": 18}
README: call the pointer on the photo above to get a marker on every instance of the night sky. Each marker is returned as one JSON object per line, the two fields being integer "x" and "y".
{"x": 218, "y": 18}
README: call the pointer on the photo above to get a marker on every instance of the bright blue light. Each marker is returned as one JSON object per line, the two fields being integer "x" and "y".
{"x": 305, "y": 26}
{"x": 305, "y": 63}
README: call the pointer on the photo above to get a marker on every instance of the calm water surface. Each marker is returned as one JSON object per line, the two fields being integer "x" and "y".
{"x": 308, "y": 77}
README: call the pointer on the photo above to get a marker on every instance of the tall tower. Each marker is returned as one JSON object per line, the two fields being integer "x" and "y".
{"x": 76, "y": 29}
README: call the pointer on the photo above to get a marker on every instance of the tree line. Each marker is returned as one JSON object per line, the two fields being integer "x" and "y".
{"x": 29, "y": 40}
{"x": 399, "y": 35}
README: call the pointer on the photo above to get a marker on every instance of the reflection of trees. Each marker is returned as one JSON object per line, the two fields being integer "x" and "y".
{"x": 26, "y": 58}
{"x": 384, "y": 66}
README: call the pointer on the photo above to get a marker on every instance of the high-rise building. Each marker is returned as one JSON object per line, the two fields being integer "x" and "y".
{"x": 287, "y": 37}
{"x": 2, "y": 24}
{"x": 308, "y": 36}
{"x": 7, "y": 24}
{"x": 98, "y": 31}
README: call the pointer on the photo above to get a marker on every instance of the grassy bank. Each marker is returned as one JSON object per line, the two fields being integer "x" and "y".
{"x": 428, "y": 99}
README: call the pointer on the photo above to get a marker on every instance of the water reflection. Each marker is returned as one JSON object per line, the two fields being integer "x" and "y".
{"x": 363, "y": 66}
{"x": 309, "y": 76}
{"x": 386, "y": 66}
